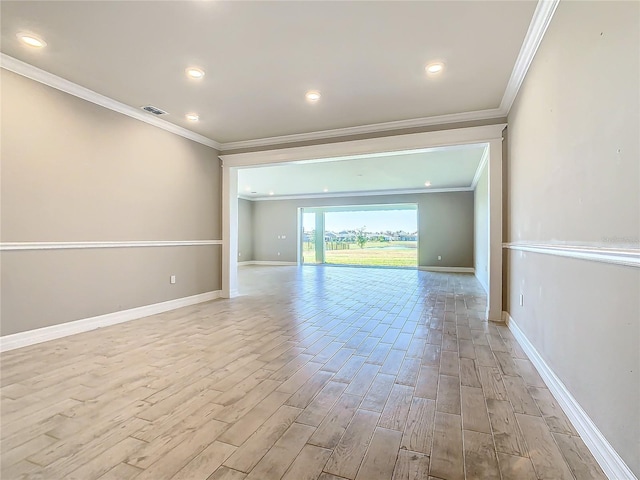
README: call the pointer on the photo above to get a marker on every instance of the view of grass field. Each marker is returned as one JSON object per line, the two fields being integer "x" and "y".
{"x": 376, "y": 235}
{"x": 392, "y": 253}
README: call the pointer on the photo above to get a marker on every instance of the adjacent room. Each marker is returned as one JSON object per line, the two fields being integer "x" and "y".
{"x": 411, "y": 208}
{"x": 319, "y": 240}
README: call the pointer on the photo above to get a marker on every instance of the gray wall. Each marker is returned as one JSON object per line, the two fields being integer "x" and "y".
{"x": 573, "y": 178}
{"x": 481, "y": 229}
{"x": 245, "y": 230}
{"x": 445, "y": 225}
{"x": 74, "y": 171}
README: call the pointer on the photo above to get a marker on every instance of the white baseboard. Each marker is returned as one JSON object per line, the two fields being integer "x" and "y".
{"x": 268, "y": 262}
{"x": 610, "y": 462}
{"x": 448, "y": 269}
{"x": 39, "y": 335}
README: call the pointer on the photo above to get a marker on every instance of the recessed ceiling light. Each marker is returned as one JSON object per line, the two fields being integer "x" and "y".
{"x": 325, "y": 190}
{"x": 427, "y": 184}
{"x": 192, "y": 117}
{"x": 32, "y": 40}
{"x": 434, "y": 68}
{"x": 313, "y": 96}
{"x": 195, "y": 72}
{"x": 270, "y": 193}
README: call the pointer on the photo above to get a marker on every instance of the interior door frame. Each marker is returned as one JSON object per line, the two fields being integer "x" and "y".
{"x": 487, "y": 135}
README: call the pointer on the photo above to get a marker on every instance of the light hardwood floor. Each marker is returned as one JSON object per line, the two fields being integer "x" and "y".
{"x": 314, "y": 373}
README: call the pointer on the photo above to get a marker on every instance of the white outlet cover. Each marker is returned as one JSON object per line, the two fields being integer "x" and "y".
{"x": 172, "y": 279}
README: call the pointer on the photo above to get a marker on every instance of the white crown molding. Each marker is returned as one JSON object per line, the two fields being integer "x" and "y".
{"x": 629, "y": 257}
{"x": 606, "y": 456}
{"x": 367, "y": 193}
{"x": 481, "y": 165}
{"x": 39, "y": 335}
{"x": 537, "y": 28}
{"x": 59, "y": 83}
{"x": 378, "y": 146}
{"x": 13, "y": 246}
{"x": 367, "y": 129}
{"x": 448, "y": 269}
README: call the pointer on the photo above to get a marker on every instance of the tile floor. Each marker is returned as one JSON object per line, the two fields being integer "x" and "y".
{"x": 323, "y": 373}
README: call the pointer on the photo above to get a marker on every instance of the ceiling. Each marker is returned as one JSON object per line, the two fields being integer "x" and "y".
{"x": 444, "y": 168}
{"x": 366, "y": 58}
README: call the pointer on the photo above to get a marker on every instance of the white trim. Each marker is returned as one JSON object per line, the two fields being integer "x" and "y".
{"x": 539, "y": 23}
{"x": 481, "y": 165}
{"x": 59, "y": 83}
{"x": 484, "y": 285}
{"x": 494, "y": 259}
{"x": 493, "y": 113}
{"x": 12, "y": 246}
{"x": 606, "y": 456}
{"x": 367, "y": 193}
{"x": 230, "y": 248}
{"x": 379, "y": 146}
{"x": 448, "y": 269}
{"x": 629, "y": 257}
{"x": 39, "y": 335}
{"x": 268, "y": 262}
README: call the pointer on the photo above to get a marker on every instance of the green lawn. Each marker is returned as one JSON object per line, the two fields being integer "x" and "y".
{"x": 393, "y": 254}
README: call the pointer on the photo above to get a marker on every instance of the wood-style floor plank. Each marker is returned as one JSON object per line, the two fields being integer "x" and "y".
{"x": 315, "y": 379}
{"x": 380, "y": 459}
{"x": 411, "y": 466}
{"x": 348, "y": 454}
{"x": 447, "y": 458}
{"x": 542, "y": 449}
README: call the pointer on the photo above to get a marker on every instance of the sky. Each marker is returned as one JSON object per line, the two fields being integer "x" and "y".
{"x": 375, "y": 221}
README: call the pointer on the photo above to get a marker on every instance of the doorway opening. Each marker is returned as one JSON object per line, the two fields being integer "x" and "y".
{"x": 362, "y": 235}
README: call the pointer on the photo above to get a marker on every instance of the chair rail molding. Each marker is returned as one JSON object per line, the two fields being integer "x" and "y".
{"x": 13, "y": 246}
{"x": 629, "y": 257}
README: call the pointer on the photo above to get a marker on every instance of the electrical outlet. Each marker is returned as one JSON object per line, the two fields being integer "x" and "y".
{"x": 439, "y": 257}
{"x": 284, "y": 236}
{"x": 172, "y": 279}
{"x": 278, "y": 253}
{"x": 239, "y": 254}
{"x": 522, "y": 299}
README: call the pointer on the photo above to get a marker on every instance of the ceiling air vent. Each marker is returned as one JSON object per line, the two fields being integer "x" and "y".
{"x": 154, "y": 110}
